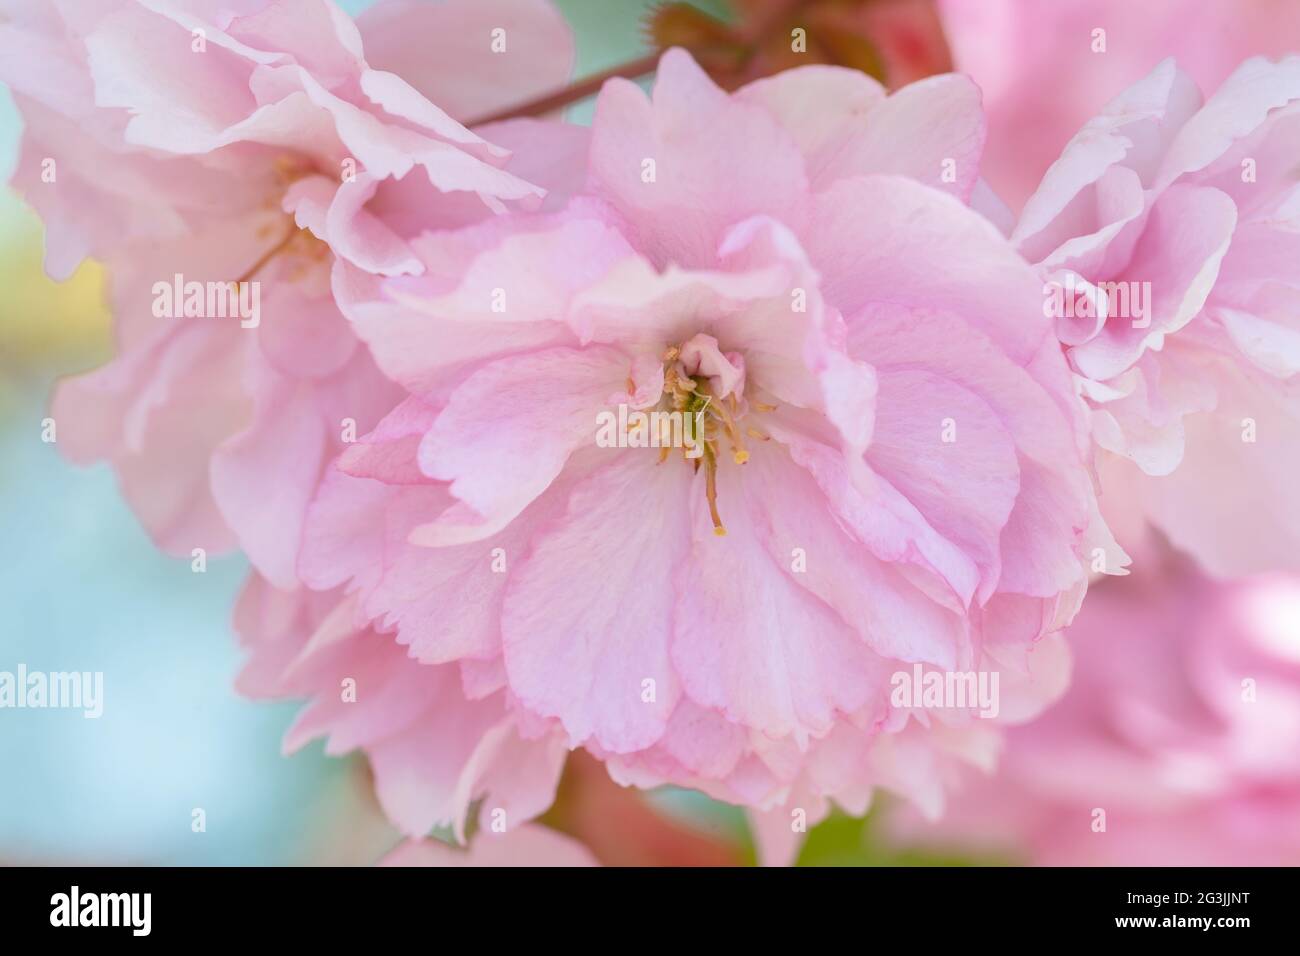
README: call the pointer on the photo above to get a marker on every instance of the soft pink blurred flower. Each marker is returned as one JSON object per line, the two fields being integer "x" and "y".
{"x": 254, "y": 140}
{"x": 1194, "y": 210}
{"x": 800, "y": 254}
{"x": 438, "y": 738}
{"x": 1182, "y": 723}
{"x": 1041, "y": 79}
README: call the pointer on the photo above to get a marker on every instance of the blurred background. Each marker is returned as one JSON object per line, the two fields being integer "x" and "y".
{"x": 84, "y": 589}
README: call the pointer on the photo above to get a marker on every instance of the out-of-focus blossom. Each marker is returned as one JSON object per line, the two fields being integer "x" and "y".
{"x": 1167, "y": 237}
{"x": 795, "y": 264}
{"x": 276, "y": 153}
{"x": 1044, "y": 69}
{"x": 1180, "y": 734}
{"x": 235, "y": 147}
{"x": 530, "y": 845}
{"x": 439, "y": 738}
{"x": 895, "y": 41}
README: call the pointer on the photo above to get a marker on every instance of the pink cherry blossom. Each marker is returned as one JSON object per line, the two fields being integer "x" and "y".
{"x": 1190, "y": 208}
{"x": 798, "y": 266}
{"x": 699, "y": 439}
{"x": 1182, "y": 724}
{"x": 438, "y": 738}
{"x": 254, "y": 142}
{"x": 1044, "y": 67}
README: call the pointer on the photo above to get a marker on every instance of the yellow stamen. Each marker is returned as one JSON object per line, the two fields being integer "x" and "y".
{"x": 711, "y": 488}
{"x": 739, "y": 454}
{"x": 267, "y": 256}
{"x": 289, "y": 169}
{"x": 710, "y": 418}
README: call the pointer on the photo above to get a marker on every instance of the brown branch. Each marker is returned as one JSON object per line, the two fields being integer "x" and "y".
{"x": 573, "y": 92}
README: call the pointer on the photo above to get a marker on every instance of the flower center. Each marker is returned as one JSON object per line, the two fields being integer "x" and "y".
{"x": 297, "y": 243}
{"x": 707, "y": 389}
